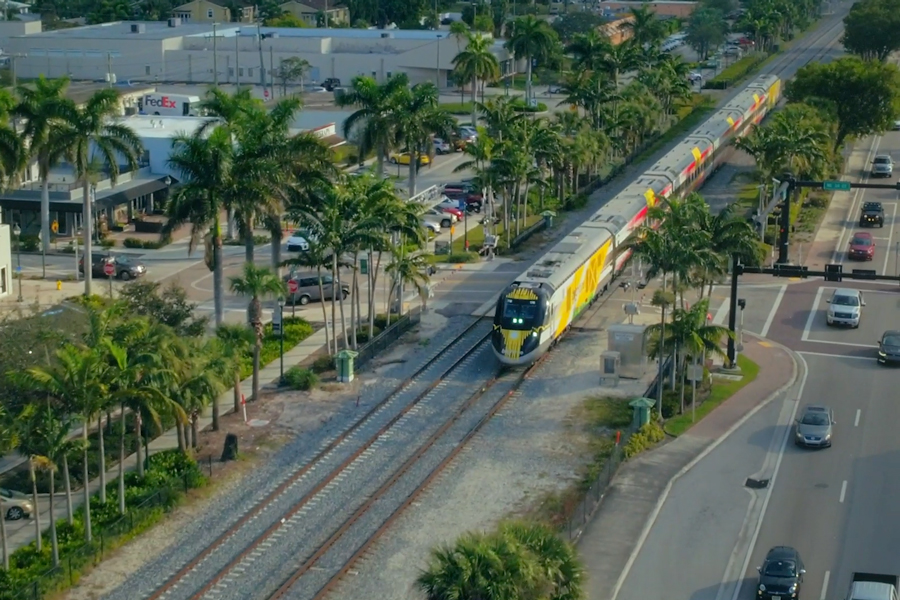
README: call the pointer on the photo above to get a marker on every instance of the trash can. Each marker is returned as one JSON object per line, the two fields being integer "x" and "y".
{"x": 343, "y": 362}
{"x": 642, "y": 407}
{"x": 363, "y": 266}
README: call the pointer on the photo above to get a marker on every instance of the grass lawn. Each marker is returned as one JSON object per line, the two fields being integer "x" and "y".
{"x": 721, "y": 391}
{"x": 476, "y": 235}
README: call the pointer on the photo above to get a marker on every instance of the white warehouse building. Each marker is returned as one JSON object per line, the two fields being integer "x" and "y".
{"x": 157, "y": 52}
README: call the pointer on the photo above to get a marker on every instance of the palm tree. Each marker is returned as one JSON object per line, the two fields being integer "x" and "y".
{"x": 205, "y": 165}
{"x": 30, "y": 444}
{"x": 406, "y": 268}
{"x": 729, "y": 235}
{"x": 646, "y": 27}
{"x": 76, "y": 382}
{"x": 479, "y": 63}
{"x": 88, "y": 132}
{"x": 561, "y": 573}
{"x": 9, "y": 441}
{"x": 372, "y": 124}
{"x": 198, "y": 380}
{"x": 42, "y": 107}
{"x": 416, "y": 117}
{"x": 533, "y": 39}
{"x": 257, "y": 283}
{"x": 317, "y": 257}
{"x": 236, "y": 341}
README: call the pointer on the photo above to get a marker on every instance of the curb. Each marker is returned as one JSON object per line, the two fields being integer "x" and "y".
{"x": 654, "y": 514}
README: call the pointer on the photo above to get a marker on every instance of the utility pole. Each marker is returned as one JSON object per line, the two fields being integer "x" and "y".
{"x": 262, "y": 64}
{"x": 784, "y": 233}
{"x": 272, "y": 71}
{"x": 109, "y": 78}
{"x": 237, "y": 60}
{"x": 190, "y": 69}
{"x": 14, "y": 70}
{"x": 215, "y": 57}
{"x": 326, "y": 14}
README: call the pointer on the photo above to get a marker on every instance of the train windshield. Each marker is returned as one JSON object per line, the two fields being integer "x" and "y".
{"x": 519, "y": 314}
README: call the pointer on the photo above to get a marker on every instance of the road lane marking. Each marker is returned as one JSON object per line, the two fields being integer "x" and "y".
{"x": 722, "y": 312}
{"x": 841, "y": 343}
{"x": 843, "y": 490}
{"x": 838, "y": 256}
{"x": 887, "y": 252}
{"x": 825, "y": 354}
{"x": 812, "y": 315}
{"x": 771, "y": 317}
{"x": 765, "y": 506}
{"x": 825, "y": 585}
{"x": 858, "y": 415}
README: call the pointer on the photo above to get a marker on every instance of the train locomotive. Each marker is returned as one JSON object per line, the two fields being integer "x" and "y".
{"x": 536, "y": 309}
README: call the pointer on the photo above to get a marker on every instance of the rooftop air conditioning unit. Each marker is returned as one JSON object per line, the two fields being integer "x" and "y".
{"x": 137, "y": 28}
{"x": 174, "y": 22}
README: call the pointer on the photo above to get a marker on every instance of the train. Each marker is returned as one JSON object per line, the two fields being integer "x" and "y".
{"x": 534, "y": 311}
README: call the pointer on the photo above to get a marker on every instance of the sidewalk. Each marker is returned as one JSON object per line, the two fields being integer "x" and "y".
{"x": 637, "y": 491}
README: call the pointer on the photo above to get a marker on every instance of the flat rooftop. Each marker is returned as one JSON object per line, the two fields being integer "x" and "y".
{"x": 147, "y": 126}
{"x": 153, "y": 30}
{"x": 356, "y": 34}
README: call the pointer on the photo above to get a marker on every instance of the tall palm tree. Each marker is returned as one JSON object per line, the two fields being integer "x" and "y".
{"x": 205, "y": 166}
{"x": 729, "y": 235}
{"x": 42, "y": 107}
{"x": 257, "y": 283}
{"x": 478, "y": 62}
{"x": 9, "y": 441}
{"x": 30, "y": 421}
{"x": 318, "y": 257}
{"x": 198, "y": 380}
{"x": 646, "y": 27}
{"x": 416, "y": 117}
{"x": 236, "y": 341}
{"x": 533, "y": 39}
{"x": 88, "y": 132}
{"x": 371, "y": 124}
{"x": 406, "y": 268}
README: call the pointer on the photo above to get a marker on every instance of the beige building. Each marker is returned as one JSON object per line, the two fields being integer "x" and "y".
{"x": 139, "y": 53}
{"x": 204, "y": 11}
{"x": 6, "y": 269}
{"x": 307, "y": 10}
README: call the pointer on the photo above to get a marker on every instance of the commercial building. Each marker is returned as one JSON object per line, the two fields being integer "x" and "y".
{"x": 175, "y": 51}
{"x": 6, "y": 271}
{"x": 308, "y": 11}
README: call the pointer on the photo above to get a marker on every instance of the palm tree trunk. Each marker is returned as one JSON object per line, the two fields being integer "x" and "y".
{"x": 45, "y": 211}
{"x": 186, "y": 431}
{"x": 324, "y": 309}
{"x": 122, "y": 462}
{"x": 474, "y": 97}
{"x": 34, "y": 498}
{"x": 237, "y": 389}
{"x": 88, "y": 255}
{"x": 139, "y": 451}
{"x": 354, "y": 313}
{"x": 277, "y": 233}
{"x": 179, "y": 432}
{"x": 248, "y": 240}
{"x": 229, "y": 225}
{"x": 218, "y": 273}
{"x": 3, "y": 540}
{"x": 102, "y": 451}
{"x": 333, "y": 301}
{"x": 528, "y": 79}
{"x": 413, "y": 164}
{"x": 85, "y": 482}
{"x": 257, "y": 348}
{"x": 338, "y": 290}
{"x": 195, "y": 428}
{"x": 54, "y": 541}
{"x": 371, "y": 293}
{"x": 67, "y": 485}
{"x": 379, "y": 160}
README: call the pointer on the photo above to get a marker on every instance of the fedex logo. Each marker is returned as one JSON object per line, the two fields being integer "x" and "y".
{"x": 161, "y": 102}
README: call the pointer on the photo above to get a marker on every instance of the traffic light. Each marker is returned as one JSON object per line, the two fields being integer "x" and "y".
{"x": 834, "y": 272}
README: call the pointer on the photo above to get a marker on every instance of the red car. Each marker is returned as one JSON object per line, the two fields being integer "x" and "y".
{"x": 862, "y": 246}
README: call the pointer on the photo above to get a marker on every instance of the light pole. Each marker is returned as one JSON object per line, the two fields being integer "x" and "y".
{"x": 17, "y": 231}
{"x": 278, "y": 327}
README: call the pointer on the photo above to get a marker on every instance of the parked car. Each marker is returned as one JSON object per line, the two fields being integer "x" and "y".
{"x": 468, "y": 133}
{"x": 695, "y": 77}
{"x": 299, "y": 241}
{"x": 15, "y": 506}
{"x": 451, "y": 206}
{"x": 467, "y": 192}
{"x": 404, "y": 158}
{"x": 442, "y": 146}
{"x": 308, "y": 288}
{"x": 331, "y": 83}
{"x": 433, "y": 222}
{"x": 445, "y": 219}
{"x": 125, "y": 267}
{"x": 862, "y": 246}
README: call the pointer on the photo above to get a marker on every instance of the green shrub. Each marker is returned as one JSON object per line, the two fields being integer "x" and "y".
{"x": 258, "y": 240}
{"x": 645, "y": 438}
{"x": 463, "y": 257}
{"x": 671, "y": 403}
{"x": 382, "y": 321}
{"x": 575, "y": 202}
{"x": 298, "y": 378}
{"x": 145, "y": 244}
{"x": 735, "y": 72}
{"x": 29, "y": 243}
{"x": 295, "y": 331}
{"x": 107, "y": 243}
{"x": 323, "y": 364}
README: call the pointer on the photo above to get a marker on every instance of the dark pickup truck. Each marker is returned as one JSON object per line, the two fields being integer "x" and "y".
{"x": 872, "y": 215}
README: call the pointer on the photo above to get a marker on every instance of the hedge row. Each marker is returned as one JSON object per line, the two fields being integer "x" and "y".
{"x": 735, "y": 72}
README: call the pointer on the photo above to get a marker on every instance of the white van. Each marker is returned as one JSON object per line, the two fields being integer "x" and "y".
{"x": 170, "y": 105}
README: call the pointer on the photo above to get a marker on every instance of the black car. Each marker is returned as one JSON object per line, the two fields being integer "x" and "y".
{"x": 889, "y": 348}
{"x": 125, "y": 267}
{"x": 781, "y": 574}
{"x": 872, "y": 215}
{"x": 331, "y": 83}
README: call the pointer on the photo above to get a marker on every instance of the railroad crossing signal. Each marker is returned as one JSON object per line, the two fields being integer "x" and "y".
{"x": 109, "y": 269}
{"x": 293, "y": 286}
{"x": 54, "y": 227}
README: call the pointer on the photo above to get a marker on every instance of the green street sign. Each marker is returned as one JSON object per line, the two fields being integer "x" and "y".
{"x": 833, "y": 186}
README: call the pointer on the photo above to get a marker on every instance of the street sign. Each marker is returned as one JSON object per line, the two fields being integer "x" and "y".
{"x": 276, "y": 320}
{"x": 832, "y": 186}
{"x": 109, "y": 269}
{"x": 293, "y": 286}
{"x": 54, "y": 227}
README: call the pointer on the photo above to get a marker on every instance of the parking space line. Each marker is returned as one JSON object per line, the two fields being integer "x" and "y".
{"x": 887, "y": 253}
{"x": 826, "y": 355}
{"x": 772, "y": 311}
{"x": 858, "y": 415}
{"x": 825, "y": 585}
{"x": 843, "y": 490}
{"x": 812, "y": 314}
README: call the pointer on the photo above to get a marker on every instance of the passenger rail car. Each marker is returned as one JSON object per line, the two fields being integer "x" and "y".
{"x": 536, "y": 309}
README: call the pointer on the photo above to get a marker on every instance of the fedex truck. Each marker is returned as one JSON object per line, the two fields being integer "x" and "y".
{"x": 170, "y": 105}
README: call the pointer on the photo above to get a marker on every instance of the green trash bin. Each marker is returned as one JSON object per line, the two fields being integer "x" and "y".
{"x": 363, "y": 266}
{"x": 642, "y": 408}
{"x": 343, "y": 362}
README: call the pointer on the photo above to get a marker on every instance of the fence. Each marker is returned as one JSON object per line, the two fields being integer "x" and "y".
{"x": 597, "y": 490}
{"x": 106, "y": 539}
{"x": 387, "y": 337}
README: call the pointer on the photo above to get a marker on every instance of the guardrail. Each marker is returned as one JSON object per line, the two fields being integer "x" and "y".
{"x": 429, "y": 196}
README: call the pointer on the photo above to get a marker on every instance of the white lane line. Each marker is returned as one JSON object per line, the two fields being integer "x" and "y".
{"x": 858, "y": 415}
{"x": 841, "y": 343}
{"x": 887, "y": 250}
{"x": 825, "y": 354}
{"x": 762, "y": 514}
{"x": 889, "y": 292}
{"x": 838, "y": 256}
{"x": 843, "y": 490}
{"x": 812, "y": 315}
{"x": 719, "y": 318}
{"x": 771, "y": 317}
{"x": 825, "y": 585}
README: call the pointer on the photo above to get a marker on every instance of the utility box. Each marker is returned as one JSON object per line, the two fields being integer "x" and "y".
{"x": 343, "y": 362}
{"x": 609, "y": 368}
{"x": 642, "y": 408}
{"x": 630, "y": 341}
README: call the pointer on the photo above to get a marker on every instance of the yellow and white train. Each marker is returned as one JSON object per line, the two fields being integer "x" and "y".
{"x": 536, "y": 309}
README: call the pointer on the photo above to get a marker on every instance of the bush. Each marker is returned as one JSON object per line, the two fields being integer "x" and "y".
{"x": 735, "y": 72}
{"x": 29, "y": 243}
{"x": 295, "y": 331}
{"x": 575, "y": 202}
{"x": 258, "y": 240}
{"x": 107, "y": 243}
{"x": 298, "y": 378}
{"x": 671, "y": 403}
{"x": 463, "y": 257}
{"x": 382, "y": 321}
{"x": 645, "y": 438}
{"x": 145, "y": 244}
{"x": 323, "y": 364}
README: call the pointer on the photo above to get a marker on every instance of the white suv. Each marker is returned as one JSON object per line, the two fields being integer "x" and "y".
{"x": 846, "y": 308}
